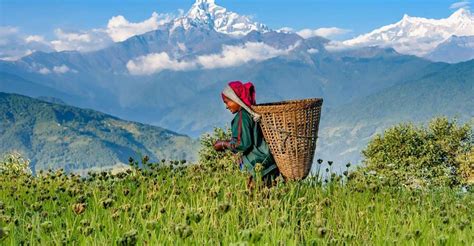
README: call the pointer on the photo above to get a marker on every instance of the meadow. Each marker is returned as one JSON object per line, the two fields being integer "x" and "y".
{"x": 175, "y": 202}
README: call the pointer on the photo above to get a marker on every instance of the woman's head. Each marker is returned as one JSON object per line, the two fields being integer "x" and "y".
{"x": 232, "y": 106}
{"x": 237, "y": 95}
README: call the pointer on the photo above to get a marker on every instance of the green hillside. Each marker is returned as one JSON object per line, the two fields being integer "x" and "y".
{"x": 447, "y": 91}
{"x": 60, "y": 136}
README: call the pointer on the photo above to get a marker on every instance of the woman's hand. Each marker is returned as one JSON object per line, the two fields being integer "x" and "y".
{"x": 221, "y": 145}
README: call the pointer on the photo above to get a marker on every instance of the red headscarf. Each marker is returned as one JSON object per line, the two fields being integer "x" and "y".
{"x": 246, "y": 92}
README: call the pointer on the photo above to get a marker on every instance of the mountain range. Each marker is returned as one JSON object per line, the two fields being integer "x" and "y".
{"x": 454, "y": 49}
{"x": 421, "y": 36}
{"x": 445, "y": 90}
{"x": 172, "y": 77}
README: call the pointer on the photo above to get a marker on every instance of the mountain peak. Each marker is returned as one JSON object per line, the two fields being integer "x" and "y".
{"x": 206, "y": 13}
{"x": 205, "y": 1}
{"x": 461, "y": 13}
{"x": 204, "y": 10}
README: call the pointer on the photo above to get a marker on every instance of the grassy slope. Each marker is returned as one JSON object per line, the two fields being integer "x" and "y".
{"x": 210, "y": 205}
{"x": 55, "y": 136}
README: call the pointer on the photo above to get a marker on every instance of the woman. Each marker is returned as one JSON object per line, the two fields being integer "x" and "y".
{"x": 247, "y": 137}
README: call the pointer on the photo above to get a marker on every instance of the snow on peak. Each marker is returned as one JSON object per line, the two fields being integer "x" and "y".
{"x": 461, "y": 13}
{"x": 417, "y": 35}
{"x": 208, "y": 14}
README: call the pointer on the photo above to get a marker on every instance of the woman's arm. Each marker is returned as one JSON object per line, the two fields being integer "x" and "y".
{"x": 241, "y": 134}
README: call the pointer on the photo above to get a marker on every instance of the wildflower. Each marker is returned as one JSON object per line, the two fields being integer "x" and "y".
{"x": 47, "y": 226}
{"x": 81, "y": 199}
{"x": 126, "y": 207}
{"x": 126, "y": 192}
{"x": 79, "y": 208}
{"x": 301, "y": 200}
{"x": 129, "y": 238}
{"x": 183, "y": 231}
{"x": 87, "y": 231}
{"x": 145, "y": 159}
{"x": 3, "y": 233}
{"x": 107, "y": 203}
{"x": 147, "y": 207}
{"x": 282, "y": 222}
{"x": 44, "y": 214}
{"x": 320, "y": 161}
{"x": 252, "y": 236}
{"x": 115, "y": 215}
{"x": 326, "y": 202}
{"x": 322, "y": 231}
{"x": 151, "y": 224}
{"x": 36, "y": 206}
{"x": 225, "y": 207}
{"x": 258, "y": 167}
{"x": 330, "y": 163}
{"x": 195, "y": 216}
{"x": 446, "y": 220}
{"x": 85, "y": 223}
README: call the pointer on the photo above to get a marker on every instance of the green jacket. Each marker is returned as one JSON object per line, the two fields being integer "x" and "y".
{"x": 247, "y": 138}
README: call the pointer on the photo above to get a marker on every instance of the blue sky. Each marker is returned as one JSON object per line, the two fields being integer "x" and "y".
{"x": 42, "y": 17}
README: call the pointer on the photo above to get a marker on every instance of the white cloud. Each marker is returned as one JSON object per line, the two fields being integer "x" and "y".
{"x": 155, "y": 63}
{"x": 236, "y": 55}
{"x": 229, "y": 57}
{"x": 14, "y": 45}
{"x": 285, "y": 29}
{"x": 44, "y": 71}
{"x": 120, "y": 29}
{"x": 81, "y": 41}
{"x": 326, "y": 32}
{"x": 461, "y": 4}
{"x": 338, "y": 46}
{"x": 35, "y": 38}
{"x": 56, "y": 69}
{"x": 62, "y": 69}
{"x": 313, "y": 51}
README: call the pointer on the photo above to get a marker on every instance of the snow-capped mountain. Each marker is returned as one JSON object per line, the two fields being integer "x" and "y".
{"x": 417, "y": 35}
{"x": 455, "y": 49}
{"x": 208, "y": 13}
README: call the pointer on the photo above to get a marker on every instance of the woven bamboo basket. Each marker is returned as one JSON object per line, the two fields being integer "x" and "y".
{"x": 291, "y": 130}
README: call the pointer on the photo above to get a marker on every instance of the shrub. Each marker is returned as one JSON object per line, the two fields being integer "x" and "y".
{"x": 14, "y": 163}
{"x": 211, "y": 158}
{"x": 417, "y": 156}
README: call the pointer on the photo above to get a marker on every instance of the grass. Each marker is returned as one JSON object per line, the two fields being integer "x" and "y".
{"x": 209, "y": 204}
